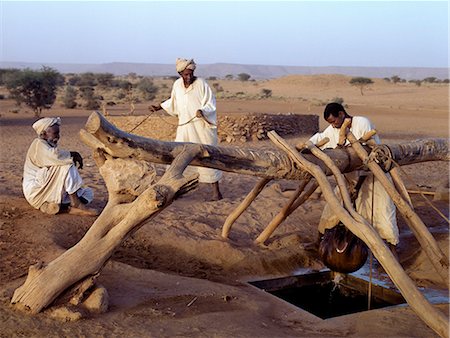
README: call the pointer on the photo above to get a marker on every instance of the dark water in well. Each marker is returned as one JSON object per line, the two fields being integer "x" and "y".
{"x": 325, "y": 296}
{"x": 329, "y": 300}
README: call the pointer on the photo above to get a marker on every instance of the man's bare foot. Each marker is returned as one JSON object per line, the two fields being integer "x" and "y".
{"x": 82, "y": 210}
{"x": 216, "y": 194}
{"x": 49, "y": 208}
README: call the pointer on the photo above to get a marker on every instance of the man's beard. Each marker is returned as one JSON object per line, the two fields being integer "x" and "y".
{"x": 52, "y": 143}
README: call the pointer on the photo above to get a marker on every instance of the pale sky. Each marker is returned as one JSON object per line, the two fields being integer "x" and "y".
{"x": 291, "y": 33}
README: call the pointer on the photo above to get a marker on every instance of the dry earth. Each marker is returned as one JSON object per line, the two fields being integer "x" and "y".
{"x": 179, "y": 256}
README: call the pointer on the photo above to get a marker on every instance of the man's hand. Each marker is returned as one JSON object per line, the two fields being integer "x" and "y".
{"x": 199, "y": 113}
{"x": 154, "y": 108}
{"x": 77, "y": 159}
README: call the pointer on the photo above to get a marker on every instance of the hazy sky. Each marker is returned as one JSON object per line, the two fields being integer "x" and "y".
{"x": 293, "y": 33}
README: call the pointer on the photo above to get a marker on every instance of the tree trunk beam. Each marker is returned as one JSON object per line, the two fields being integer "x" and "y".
{"x": 116, "y": 222}
{"x": 435, "y": 319}
{"x": 272, "y": 164}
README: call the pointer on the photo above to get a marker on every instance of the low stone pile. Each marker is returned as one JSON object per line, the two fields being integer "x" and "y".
{"x": 232, "y": 128}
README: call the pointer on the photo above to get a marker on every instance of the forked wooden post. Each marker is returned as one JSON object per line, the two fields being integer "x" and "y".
{"x": 243, "y": 206}
{"x": 435, "y": 319}
{"x": 281, "y": 216}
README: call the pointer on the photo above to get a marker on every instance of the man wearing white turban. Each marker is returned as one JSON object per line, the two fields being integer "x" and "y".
{"x": 50, "y": 175}
{"x": 193, "y": 101}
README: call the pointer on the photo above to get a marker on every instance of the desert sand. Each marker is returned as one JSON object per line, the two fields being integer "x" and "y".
{"x": 175, "y": 276}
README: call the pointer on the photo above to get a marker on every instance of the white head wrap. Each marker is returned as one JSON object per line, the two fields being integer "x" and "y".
{"x": 182, "y": 64}
{"x": 45, "y": 123}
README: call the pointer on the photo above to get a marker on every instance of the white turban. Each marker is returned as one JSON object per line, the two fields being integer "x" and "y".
{"x": 183, "y": 64}
{"x": 45, "y": 123}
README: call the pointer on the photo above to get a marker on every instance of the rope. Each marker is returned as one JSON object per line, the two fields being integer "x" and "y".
{"x": 420, "y": 192}
{"x": 383, "y": 157}
{"x": 172, "y": 124}
{"x": 369, "y": 293}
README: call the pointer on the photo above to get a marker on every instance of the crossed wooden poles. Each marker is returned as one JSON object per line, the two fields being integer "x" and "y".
{"x": 355, "y": 222}
{"x": 134, "y": 198}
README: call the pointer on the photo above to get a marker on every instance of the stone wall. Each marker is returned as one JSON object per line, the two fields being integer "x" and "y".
{"x": 232, "y": 128}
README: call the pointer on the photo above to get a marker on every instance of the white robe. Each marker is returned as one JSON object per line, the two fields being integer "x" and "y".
{"x": 184, "y": 103}
{"x": 384, "y": 212}
{"x": 49, "y": 175}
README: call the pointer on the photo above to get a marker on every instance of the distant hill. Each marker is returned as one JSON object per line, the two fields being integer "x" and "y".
{"x": 220, "y": 70}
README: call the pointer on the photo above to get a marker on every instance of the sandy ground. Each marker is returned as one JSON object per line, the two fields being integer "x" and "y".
{"x": 179, "y": 256}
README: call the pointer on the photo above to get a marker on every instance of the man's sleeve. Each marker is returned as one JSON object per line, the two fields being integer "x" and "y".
{"x": 208, "y": 102}
{"x": 169, "y": 104}
{"x": 47, "y": 156}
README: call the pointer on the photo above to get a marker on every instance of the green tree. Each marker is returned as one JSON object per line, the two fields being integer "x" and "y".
{"x": 36, "y": 89}
{"x": 148, "y": 88}
{"x": 70, "y": 97}
{"x": 361, "y": 82}
{"x": 395, "y": 78}
{"x": 430, "y": 79}
{"x": 243, "y": 76}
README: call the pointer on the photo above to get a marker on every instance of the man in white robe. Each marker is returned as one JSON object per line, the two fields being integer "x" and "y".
{"x": 50, "y": 175}
{"x": 193, "y": 101}
{"x": 384, "y": 212}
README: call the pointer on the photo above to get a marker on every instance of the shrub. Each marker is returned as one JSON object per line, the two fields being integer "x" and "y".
{"x": 148, "y": 88}
{"x": 266, "y": 93}
{"x": 217, "y": 87}
{"x": 70, "y": 96}
{"x": 339, "y": 100}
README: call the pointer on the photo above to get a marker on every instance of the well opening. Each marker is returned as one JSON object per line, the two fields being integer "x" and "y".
{"x": 328, "y": 294}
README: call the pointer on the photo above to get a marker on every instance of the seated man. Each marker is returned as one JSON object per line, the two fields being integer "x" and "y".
{"x": 50, "y": 176}
{"x": 384, "y": 212}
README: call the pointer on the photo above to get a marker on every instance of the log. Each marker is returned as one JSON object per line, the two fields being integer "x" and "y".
{"x": 271, "y": 164}
{"x": 435, "y": 319}
{"x": 112, "y": 227}
{"x": 127, "y": 210}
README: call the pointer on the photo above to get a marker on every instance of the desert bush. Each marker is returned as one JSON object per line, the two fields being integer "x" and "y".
{"x": 88, "y": 79}
{"x": 229, "y": 77}
{"x": 91, "y": 102}
{"x": 8, "y": 73}
{"x": 266, "y": 93}
{"x": 212, "y": 78}
{"x": 218, "y": 88}
{"x": 395, "y": 79}
{"x": 361, "y": 82}
{"x": 121, "y": 95}
{"x": 104, "y": 79}
{"x": 36, "y": 89}
{"x": 147, "y": 88}
{"x": 418, "y": 83}
{"x": 243, "y": 77}
{"x": 70, "y": 96}
{"x": 387, "y": 79}
{"x": 337, "y": 99}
